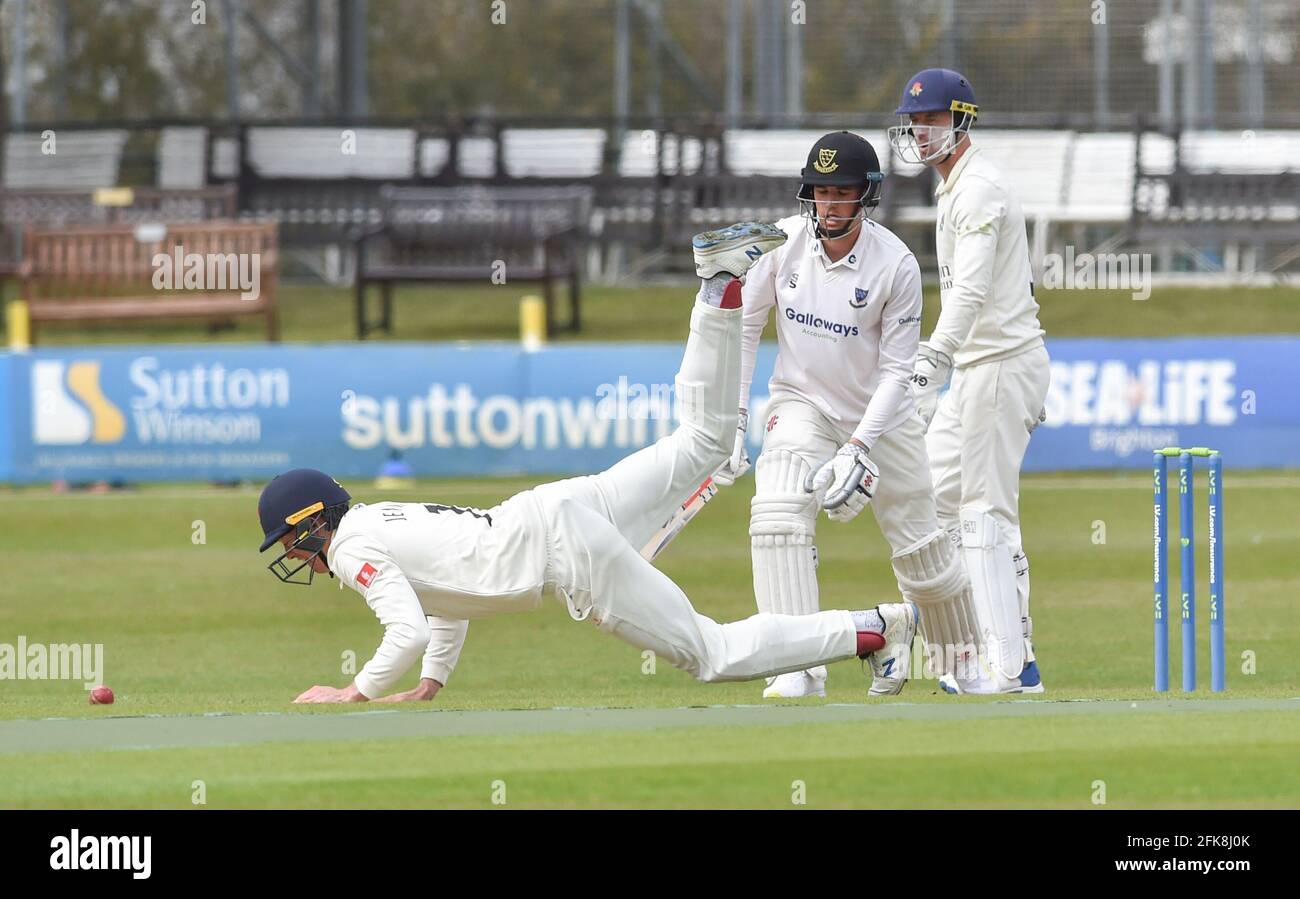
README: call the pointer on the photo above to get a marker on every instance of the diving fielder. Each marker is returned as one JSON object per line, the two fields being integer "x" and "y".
{"x": 426, "y": 569}
{"x": 989, "y": 341}
{"x": 847, "y": 294}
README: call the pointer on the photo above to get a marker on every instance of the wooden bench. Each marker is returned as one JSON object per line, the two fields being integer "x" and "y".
{"x": 93, "y": 273}
{"x": 460, "y": 235}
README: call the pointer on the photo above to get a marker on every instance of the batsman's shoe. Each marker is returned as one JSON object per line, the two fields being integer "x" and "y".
{"x": 734, "y": 249}
{"x": 1029, "y": 681}
{"x": 890, "y": 663}
{"x": 797, "y": 684}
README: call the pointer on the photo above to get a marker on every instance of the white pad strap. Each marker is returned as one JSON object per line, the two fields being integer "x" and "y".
{"x": 782, "y": 523}
{"x": 931, "y": 574}
{"x": 1022, "y": 590}
{"x": 993, "y": 584}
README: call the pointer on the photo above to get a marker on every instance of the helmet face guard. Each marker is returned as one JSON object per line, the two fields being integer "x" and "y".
{"x": 312, "y": 541}
{"x": 940, "y": 141}
{"x": 845, "y": 160}
{"x": 311, "y": 534}
{"x": 866, "y": 201}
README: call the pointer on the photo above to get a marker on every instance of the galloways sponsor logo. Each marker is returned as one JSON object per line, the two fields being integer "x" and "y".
{"x": 199, "y": 404}
{"x": 1138, "y": 408}
{"x": 821, "y": 324}
{"x": 89, "y": 853}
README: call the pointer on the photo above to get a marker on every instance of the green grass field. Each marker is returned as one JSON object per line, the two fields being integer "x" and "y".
{"x": 192, "y": 630}
{"x": 205, "y": 649}
{"x": 311, "y": 313}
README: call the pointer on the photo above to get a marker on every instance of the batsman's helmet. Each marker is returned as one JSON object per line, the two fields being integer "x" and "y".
{"x": 934, "y": 90}
{"x": 308, "y": 502}
{"x": 840, "y": 159}
{"x": 939, "y": 90}
{"x": 843, "y": 159}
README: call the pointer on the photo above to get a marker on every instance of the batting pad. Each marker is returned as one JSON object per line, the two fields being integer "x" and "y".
{"x": 782, "y": 522}
{"x": 993, "y": 585}
{"x": 931, "y": 574}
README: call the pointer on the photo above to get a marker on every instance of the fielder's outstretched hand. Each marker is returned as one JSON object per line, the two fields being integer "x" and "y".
{"x": 425, "y": 690}
{"x": 738, "y": 464}
{"x": 847, "y": 481}
{"x": 318, "y": 693}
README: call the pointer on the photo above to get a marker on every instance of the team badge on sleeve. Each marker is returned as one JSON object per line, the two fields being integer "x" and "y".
{"x": 366, "y": 576}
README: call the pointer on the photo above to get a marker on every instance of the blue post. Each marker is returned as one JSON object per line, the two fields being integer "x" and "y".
{"x": 1218, "y": 663}
{"x": 1187, "y": 577}
{"x": 1160, "y": 526}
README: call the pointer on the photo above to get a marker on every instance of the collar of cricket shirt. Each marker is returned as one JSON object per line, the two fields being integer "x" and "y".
{"x": 946, "y": 184}
{"x": 851, "y": 260}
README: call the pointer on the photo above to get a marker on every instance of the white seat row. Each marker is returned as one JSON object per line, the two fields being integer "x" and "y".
{"x": 71, "y": 159}
{"x": 1054, "y": 170}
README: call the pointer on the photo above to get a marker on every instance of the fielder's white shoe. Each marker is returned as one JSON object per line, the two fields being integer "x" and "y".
{"x": 797, "y": 684}
{"x": 735, "y": 248}
{"x": 890, "y": 663}
{"x": 1029, "y": 681}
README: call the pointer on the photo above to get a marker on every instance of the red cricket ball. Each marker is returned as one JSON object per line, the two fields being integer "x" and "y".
{"x": 101, "y": 695}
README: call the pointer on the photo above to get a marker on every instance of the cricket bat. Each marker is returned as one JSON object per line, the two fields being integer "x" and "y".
{"x": 679, "y": 519}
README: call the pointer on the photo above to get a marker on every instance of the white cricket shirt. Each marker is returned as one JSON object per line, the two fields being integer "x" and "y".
{"x": 846, "y": 331}
{"x": 426, "y": 568}
{"x": 988, "y": 311}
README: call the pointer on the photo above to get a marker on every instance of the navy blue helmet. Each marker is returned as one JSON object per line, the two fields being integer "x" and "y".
{"x": 841, "y": 159}
{"x": 308, "y": 502}
{"x": 933, "y": 90}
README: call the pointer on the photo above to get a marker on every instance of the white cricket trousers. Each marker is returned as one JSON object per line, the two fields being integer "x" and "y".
{"x": 598, "y": 523}
{"x": 979, "y": 436}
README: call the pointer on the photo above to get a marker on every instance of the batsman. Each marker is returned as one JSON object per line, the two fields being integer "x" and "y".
{"x": 988, "y": 348}
{"x": 427, "y": 569}
{"x": 838, "y": 431}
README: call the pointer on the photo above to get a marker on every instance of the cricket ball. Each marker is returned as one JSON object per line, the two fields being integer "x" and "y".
{"x": 101, "y": 695}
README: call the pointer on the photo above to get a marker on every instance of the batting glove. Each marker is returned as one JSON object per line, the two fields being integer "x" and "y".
{"x": 932, "y": 370}
{"x": 738, "y": 464}
{"x": 848, "y": 480}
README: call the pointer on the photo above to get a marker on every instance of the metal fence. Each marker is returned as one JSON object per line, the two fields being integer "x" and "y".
{"x": 1086, "y": 63}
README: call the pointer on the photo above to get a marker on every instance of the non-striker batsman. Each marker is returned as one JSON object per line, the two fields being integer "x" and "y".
{"x": 989, "y": 343}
